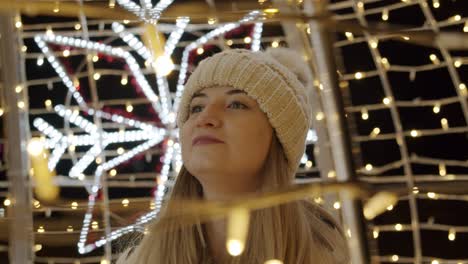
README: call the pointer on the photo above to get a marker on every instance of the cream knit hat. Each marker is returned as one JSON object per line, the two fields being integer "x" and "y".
{"x": 276, "y": 79}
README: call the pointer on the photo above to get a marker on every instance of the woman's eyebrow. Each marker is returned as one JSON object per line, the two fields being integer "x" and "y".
{"x": 230, "y": 92}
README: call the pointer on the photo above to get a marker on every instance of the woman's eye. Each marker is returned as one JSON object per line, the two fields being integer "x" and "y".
{"x": 196, "y": 109}
{"x": 238, "y": 105}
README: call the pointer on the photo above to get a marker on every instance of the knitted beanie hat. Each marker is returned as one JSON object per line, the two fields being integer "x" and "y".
{"x": 276, "y": 79}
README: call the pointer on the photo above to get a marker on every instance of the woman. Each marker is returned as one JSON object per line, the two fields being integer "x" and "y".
{"x": 243, "y": 121}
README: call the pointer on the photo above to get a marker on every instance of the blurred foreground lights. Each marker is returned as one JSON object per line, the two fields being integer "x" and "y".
{"x": 364, "y": 114}
{"x": 414, "y": 133}
{"x": 124, "y": 80}
{"x": 37, "y": 204}
{"x": 164, "y": 65}
{"x": 275, "y": 44}
{"x": 369, "y": 167}
{"x": 35, "y": 147}
{"x": 435, "y": 3}
{"x": 200, "y": 51}
{"x": 398, "y": 227}
{"x": 458, "y": 63}
{"x": 375, "y": 132}
{"x": 235, "y": 247}
{"x": 387, "y": 100}
{"x": 375, "y": 233}
{"x": 358, "y": 75}
{"x": 74, "y": 205}
{"x": 247, "y": 40}
{"x": 41, "y": 229}
{"x": 337, "y": 205}
{"x": 435, "y": 261}
{"x": 434, "y": 59}
{"x": 125, "y": 202}
{"x": 112, "y": 173}
{"x": 462, "y": 88}
{"x": 96, "y": 76}
{"x": 70, "y": 229}
{"x": 7, "y": 202}
{"x": 94, "y": 225}
{"x": 104, "y": 261}
{"x": 436, "y": 109}
{"x": 452, "y": 234}
{"x": 120, "y": 151}
{"x": 349, "y": 36}
{"x": 432, "y": 195}
{"x": 37, "y": 247}
{"x": 273, "y": 261}
{"x": 395, "y": 258}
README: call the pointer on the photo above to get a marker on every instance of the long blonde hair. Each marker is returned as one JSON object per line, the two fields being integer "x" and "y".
{"x": 296, "y": 233}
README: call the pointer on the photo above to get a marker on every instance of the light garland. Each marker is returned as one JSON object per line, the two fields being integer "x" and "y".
{"x": 146, "y": 13}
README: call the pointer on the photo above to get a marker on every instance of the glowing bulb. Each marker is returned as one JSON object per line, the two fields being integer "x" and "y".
{"x": 7, "y": 202}
{"x": 124, "y": 80}
{"x": 337, "y": 205}
{"x": 385, "y": 63}
{"x": 211, "y": 21}
{"x": 462, "y": 88}
{"x": 77, "y": 26}
{"x": 120, "y": 151}
{"x": 434, "y": 59}
{"x": 395, "y": 258}
{"x": 41, "y": 229}
{"x": 452, "y": 234}
{"x": 415, "y": 190}
{"x": 456, "y": 18}
{"x": 398, "y": 227}
{"x": 387, "y": 100}
{"x": 465, "y": 27}
{"x": 94, "y": 225}
{"x": 164, "y": 65}
{"x": 375, "y": 233}
{"x": 18, "y": 23}
{"x": 271, "y": 11}
{"x": 70, "y": 228}
{"x": 21, "y": 104}
{"x": 390, "y": 208}
{"x": 309, "y": 164}
{"x": 385, "y": 15}
{"x": 96, "y": 76}
{"x": 1, "y": 111}
{"x": 40, "y": 61}
{"x": 364, "y": 114}
{"x": 375, "y": 131}
{"x": 369, "y": 167}
{"x": 37, "y": 247}
{"x": 200, "y": 51}
{"x": 125, "y": 202}
{"x": 56, "y": 7}
{"x": 111, "y": 5}
{"x": 458, "y": 63}
{"x": 435, "y": 261}
{"x": 18, "y": 88}
{"x": 435, "y": 3}
{"x": 95, "y": 58}
{"x": 349, "y": 36}
{"x": 247, "y": 40}
{"x": 229, "y": 42}
{"x": 24, "y": 48}
{"x": 414, "y": 133}
{"x": 358, "y": 75}
{"x": 436, "y": 109}
{"x": 112, "y": 172}
{"x": 129, "y": 108}
{"x": 442, "y": 170}
{"x": 66, "y": 53}
{"x": 235, "y": 247}
{"x": 331, "y": 174}
{"x": 35, "y": 147}
{"x": 126, "y": 21}
{"x": 432, "y": 195}
{"x": 74, "y": 205}
{"x": 374, "y": 43}
{"x": 444, "y": 123}
{"x": 275, "y": 44}
{"x": 319, "y": 116}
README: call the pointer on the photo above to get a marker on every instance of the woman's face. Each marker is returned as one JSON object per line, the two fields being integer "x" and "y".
{"x": 243, "y": 136}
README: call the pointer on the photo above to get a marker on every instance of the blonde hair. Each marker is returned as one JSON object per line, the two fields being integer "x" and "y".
{"x": 299, "y": 232}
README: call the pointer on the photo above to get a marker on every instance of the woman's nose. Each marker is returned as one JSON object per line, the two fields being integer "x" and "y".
{"x": 209, "y": 117}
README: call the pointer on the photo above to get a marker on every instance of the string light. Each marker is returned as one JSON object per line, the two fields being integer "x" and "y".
{"x": 390, "y": 208}
{"x": 229, "y": 42}
{"x": 337, "y": 205}
{"x": 436, "y": 108}
{"x": 66, "y": 53}
{"x": 452, "y": 234}
{"x": 24, "y": 48}
{"x": 273, "y": 261}
{"x": 369, "y": 167}
{"x": 374, "y": 43}
{"x": 124, "y": 79}
{"x": 432, "y": 195}
{"x": 74, "y": 205}
{"x": 111, "y": 3}
{"x": 414, "y": 133}
{"x": 18, "y": 88}
{"x": 375, "y": 233}
{"x": 7, "y": 202}
{"x": 212, "y": 21}
{"x": 237, "y": 230}
{"x": 398, "y": 227}
{"x": 40, "y": 60}
{"x": 70, "y": 228}
{"x": 94, "y": 225}
{"x": 444, "y": 123}
{"x": 21, "y": 104}
{"x": 456, "y": 18}
{"x": 96, "y": 76}
{"x": 462, "y": 88}
{"x": 442, "y": 169}
{"x": 358, "y": 75}
{"x": 387, "y": 100}
{"x": 331, "y": 174}
{"x": 457, "y": 63}
{"x": 129, "y": 107}
{"x": 395, "y": 258}
{"x": 37, "y": 204}
{"x": 364, "y": 114}
{"x": 56, "y": 7}
{"x": 18, "y": 23}
{"x": 41, "y": 229}
{"x": 112, "y": 173}
{"x": 435, "y": 3}
{"x": 434, "y": 59}
{"x": 349, "y": 36}
{"x": 415, "y": 190}
{"x": 275, "y": 44}
{"x": 435, "y": 261}
{"x": 257, "y": 35}
{"x": 1, "y": 112}
{"x": 385, "y": 14}
{"x": 120, "y": 151}
{"x": 319, "y": 116}
{"x": 465, "y": 27}
{"x": 125, "y": 202}
{"x": 200, "y": 51}
{"x": 375, "y": 132}
{"x": 77, "y": 26}
{"x": 37, "y": 247}
{"x": 385, "y": 63}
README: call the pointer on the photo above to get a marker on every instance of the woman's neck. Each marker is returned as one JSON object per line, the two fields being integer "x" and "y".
{"x": 216, "y": 238}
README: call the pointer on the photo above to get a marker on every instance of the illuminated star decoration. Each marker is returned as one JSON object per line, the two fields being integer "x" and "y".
{"x": 161, "y": 104}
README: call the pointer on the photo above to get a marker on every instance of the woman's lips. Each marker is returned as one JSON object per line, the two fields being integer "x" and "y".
{"x": 204, "y": 140}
